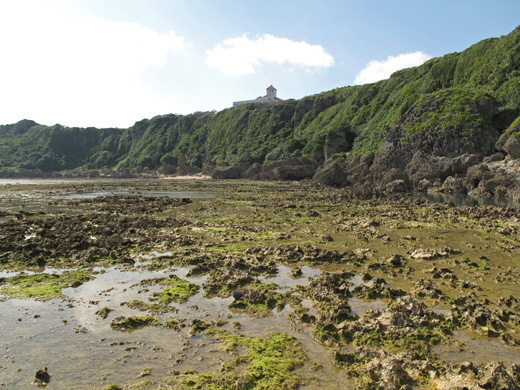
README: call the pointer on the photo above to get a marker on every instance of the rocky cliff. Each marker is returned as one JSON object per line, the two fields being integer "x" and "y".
{"x": 425, "y": 128}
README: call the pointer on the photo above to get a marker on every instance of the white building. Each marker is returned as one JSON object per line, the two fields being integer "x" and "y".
{"x": 270, "y": 97}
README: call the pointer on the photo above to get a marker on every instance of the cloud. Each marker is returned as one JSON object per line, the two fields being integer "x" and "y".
{"x": 380, "y": 70}
{"x": 56, "y": 64}
{"x": 242, "y": 55}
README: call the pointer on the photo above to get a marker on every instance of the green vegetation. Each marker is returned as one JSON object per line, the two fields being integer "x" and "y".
{"x": 42, "y": 286}
{"x": 123, "y": 323}
{"x": 103, "y": 313}
{"x": 269, "y": 363}
{"x": 453, "y": 108}
{"x": 260, "y": 299}
{"x": 515, "y": 126}
{"x": 362, "y": 116}
{"x": 177, "y": 290}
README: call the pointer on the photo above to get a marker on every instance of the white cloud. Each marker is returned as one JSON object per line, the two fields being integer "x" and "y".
{"x": 380, "y": 70}
{"x": 241, "y": 55}
{"x": 59, "y": 65}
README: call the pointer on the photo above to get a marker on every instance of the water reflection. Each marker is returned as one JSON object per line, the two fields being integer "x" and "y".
{"x": 148, "y": 193}
{"x": 477, "y": 351}
{"x": 467, "y": 200}
{"x": 288, "y": 277}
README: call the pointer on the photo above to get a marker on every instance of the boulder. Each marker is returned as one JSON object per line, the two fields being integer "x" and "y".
{"x": 336, "y": 143}
{"x": 292, "y": 169}
{"x": 395, "y": 180}
{"x": 252, "y": 172}
{"x": 42, "y": 377}
{"x": 423, "y": 166}
{"x": 512, "y": 147}
{"x": 496, "y": 376}
{"x": 395, "y": 260}
{"x": 226, "y": 173}
{"x": 423, "y": 186}
{"x": 331, "y": 174}
{"x": 494, "y": 158}
{"x": 454, "y": 185}
{"x": 509, "y": 142}
{"x": 396, "y": 186}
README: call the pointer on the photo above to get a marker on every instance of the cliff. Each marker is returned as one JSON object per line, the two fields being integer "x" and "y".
{"x": 455, "y": 105}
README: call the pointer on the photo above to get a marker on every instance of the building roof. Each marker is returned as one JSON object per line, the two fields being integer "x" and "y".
{"x": 271, "y": 87}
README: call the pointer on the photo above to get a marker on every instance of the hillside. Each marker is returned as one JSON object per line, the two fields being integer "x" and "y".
{"x": 466, "y": 99}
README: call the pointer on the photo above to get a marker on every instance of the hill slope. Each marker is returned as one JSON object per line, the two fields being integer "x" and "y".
{"x": 469, "y": 98}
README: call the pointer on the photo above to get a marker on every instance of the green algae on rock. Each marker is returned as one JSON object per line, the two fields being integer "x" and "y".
{"x": 42, "y": 286}
{"x": 269, "y": 363}
{"x": 177, "y": 290}
{"x": 123, "y": 323}
{"x": 260, "y": 299}
{"x": 103, "y": 313}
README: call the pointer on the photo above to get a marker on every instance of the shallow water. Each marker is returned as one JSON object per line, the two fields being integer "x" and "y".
{"x": 467, "y": 200}
{"x": 82, "y": 351}
{"x": 40, "y": 197}
{"x": 477, "y": 351}
{"x": 148, "y": 193}
{"x": 32, "y": 182}
{"x": 73, "y": 342}
{"x": 286, "y": 280}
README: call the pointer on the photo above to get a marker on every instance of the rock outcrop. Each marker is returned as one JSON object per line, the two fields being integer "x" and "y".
{"x": 447, "y": 142}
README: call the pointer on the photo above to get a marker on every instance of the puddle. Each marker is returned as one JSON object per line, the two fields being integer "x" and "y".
{"x": 78, "y": 347}
{"x": 360, "y": 306}
{"x": 152, "y": 255}
{"x": 8, "y": 274}
{"x": 358, "y": 281}
{"x": 440, "y": 310}
{"x": 467, "y": 200}
{"x": 82, "y": 351}
{"x": 285, "y": 279}
{"x": 477, "y": 351}
{"x": 153, "y": 194}
{"x": 12, "y": 182}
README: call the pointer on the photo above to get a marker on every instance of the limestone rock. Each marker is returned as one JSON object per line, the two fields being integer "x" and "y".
{"x": 454, "y": 185}
{"x": 226, "y": 173}
{"x": 331, "y": 174}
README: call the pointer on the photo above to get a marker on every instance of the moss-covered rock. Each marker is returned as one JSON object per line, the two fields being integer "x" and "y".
{"x": 41, "y": 285}
{"x": 131, "y": 323}
{"x": 176, "y": 290}
{"x": 509, "y": 142}
{"x": 267, "y": 363}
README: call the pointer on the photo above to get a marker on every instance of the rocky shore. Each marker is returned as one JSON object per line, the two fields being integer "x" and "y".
{"x": 269, "y": 285}
{"x": 416, "y": 156}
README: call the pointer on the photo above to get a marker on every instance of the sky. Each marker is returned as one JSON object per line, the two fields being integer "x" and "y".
{"x": 111, "y": 63}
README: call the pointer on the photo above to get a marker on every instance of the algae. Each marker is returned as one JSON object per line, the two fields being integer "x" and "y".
{"x": 41, "y": 285}
{"x": 260, "y": 299}
{"x": 123, "y": 323}
{"x": 103, "y": 313}
{"x": 268, "y": 363}
{"x": 177, "y": 290}
{"x": 477, "y": 285}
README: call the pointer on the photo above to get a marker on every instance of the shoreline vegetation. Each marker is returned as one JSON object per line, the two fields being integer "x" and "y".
{"x": 451, "y": 125}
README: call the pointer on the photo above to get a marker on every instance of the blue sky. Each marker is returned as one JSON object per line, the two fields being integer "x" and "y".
{"x": 110, "y": 63}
